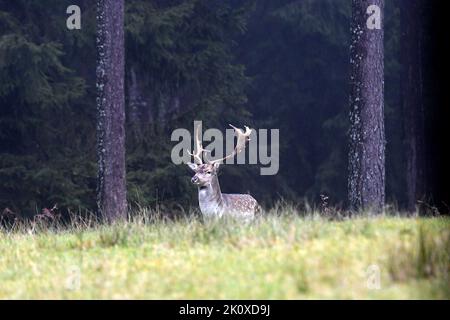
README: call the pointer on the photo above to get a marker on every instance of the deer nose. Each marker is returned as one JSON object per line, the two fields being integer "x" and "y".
{"x": 194, "y": 179}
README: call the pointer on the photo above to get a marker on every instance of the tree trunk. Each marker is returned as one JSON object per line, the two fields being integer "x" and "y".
{"x": 366, "y": 180}
{"x": 412, "y": 100}
{"x": 111, "y": 188}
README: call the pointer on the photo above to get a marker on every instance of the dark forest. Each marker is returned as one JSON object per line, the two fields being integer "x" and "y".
{"x": 267, "y": 64}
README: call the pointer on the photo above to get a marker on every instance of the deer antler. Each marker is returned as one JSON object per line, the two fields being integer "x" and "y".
{"x": 242, "y": 138}
{"x": 198, "y": 148}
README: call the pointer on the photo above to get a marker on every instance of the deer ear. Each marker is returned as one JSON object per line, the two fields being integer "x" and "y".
{"x": 193, "y": 166}
{"x": 216, "y": 165}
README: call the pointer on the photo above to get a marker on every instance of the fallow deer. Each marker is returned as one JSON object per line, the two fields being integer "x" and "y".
{"x": 213, "y": 203}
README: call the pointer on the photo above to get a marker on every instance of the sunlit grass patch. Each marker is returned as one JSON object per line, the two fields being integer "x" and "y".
{"x": 282, "y": 256}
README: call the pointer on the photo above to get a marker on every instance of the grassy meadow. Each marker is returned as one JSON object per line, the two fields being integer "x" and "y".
{"x": 283, "y": 256}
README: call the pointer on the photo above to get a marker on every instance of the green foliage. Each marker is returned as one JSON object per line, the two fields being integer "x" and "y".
{"x": 39, "y": 95}
{"x": 188, "y": 44}
{"x": 297, "y": 53}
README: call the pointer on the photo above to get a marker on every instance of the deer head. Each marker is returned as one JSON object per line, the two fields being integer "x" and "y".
{"x": 206, "y": 171}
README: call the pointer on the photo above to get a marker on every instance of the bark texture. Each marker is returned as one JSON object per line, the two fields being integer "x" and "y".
{"x": 366, "y": 182}
{"x": 412, "y": 100}
{"x": 111, "y": 188}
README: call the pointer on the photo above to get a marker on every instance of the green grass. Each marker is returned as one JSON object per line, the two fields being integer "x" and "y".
{"x": 280, "y": 257}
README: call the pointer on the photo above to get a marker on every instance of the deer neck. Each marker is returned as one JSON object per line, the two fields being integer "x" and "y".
{"x": 210, "y": 198}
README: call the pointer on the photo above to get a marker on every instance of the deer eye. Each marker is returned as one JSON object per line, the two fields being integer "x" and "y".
{"x": 208, "y": 172}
